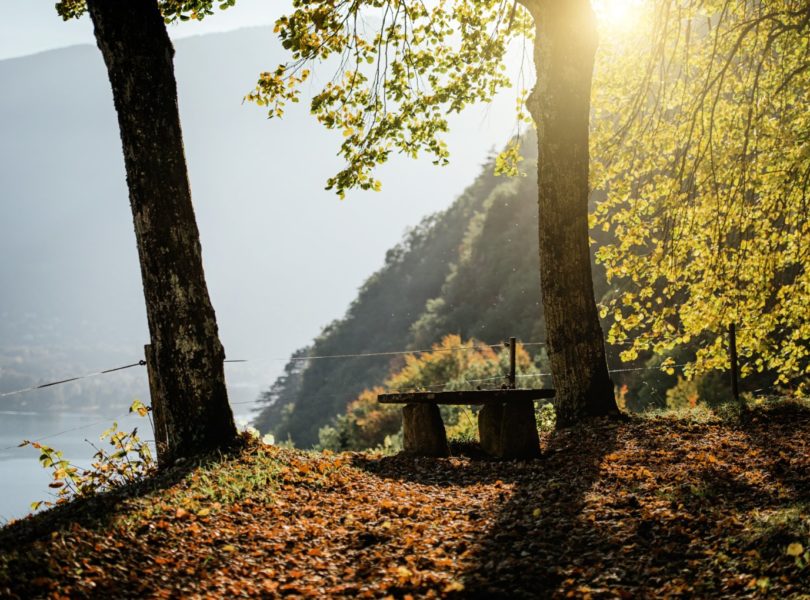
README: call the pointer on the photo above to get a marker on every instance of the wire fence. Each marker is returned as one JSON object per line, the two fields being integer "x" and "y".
{"x": 357, "y": 355}
{"x": 405, "y": 352}
{"x": 41, "y": 386}
{"x": 142, "y": 363}
{"x": 438, "y": 386}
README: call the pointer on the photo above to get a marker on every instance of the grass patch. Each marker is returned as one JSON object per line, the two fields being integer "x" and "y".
{"x": 731, "y": 412}
{"x": 250, "y": 475}
{"x": 779, "y": 527}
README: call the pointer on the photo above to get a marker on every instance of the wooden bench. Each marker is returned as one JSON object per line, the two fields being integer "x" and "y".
{"x": 506, "y": 423}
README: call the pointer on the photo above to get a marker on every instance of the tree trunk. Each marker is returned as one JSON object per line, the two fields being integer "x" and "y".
{"x": 188, "y": 355}
{"x": 565, "y": 46}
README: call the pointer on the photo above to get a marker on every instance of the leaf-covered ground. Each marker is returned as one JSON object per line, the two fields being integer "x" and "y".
{"x": 646, "y": 508}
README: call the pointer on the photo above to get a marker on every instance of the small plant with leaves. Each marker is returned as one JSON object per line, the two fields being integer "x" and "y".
{"x": 546, "y": 416}
{"x": 128, "y": 460}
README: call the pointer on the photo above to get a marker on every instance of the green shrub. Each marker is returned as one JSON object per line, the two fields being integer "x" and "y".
{"x": 129, "y": 459}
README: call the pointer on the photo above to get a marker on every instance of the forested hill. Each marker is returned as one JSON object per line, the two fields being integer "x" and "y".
{"x": 471, "y": 269}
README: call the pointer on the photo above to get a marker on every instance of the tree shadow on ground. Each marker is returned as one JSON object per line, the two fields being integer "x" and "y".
{"x": 780, "y": 434}
{"x": 535, "y": 531}
{"x": 543, "y": 529}
{"x": 650, "y": 508}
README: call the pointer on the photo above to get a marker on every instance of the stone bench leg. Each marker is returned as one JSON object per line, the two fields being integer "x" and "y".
{"x": 509, "y": 430}
{"x": 423, "y": 430}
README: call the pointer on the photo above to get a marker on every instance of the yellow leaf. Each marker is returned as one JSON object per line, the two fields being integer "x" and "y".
{"x": 795, "y": 549}
{"x": 537, "y": 512}
{"x": 228, "y": 548}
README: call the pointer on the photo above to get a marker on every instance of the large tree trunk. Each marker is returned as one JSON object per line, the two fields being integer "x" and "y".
{"x": 188, "y": 356}
{"x": 564, "y": 52}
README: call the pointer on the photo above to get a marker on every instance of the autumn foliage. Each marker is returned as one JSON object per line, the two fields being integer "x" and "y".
{"x": 127, "y": 460}
{"x": 452, "y": 364}
{"x": 646, "y": 508}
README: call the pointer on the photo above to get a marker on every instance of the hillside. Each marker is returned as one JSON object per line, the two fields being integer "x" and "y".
{"x": 470, "y": 270}
{"x": 379, "y": 320}
{"x": 72, "y": 301}
{"x": 658, "y": 507}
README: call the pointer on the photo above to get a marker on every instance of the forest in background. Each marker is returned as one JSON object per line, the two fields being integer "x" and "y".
{"x": 400, "y": 306}
{"x": 469, "y": 270}
{"x": 699, "y": 164}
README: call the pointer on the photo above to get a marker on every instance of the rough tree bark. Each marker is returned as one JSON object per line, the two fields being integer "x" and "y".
{"x": 564, "y": 51}
{"x": 188, "y": 355}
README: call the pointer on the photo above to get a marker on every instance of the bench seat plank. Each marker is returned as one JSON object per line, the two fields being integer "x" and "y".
{"x": 465, "y": 397}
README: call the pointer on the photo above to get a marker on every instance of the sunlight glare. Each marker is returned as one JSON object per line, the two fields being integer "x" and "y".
{"x": 617, "y": 14}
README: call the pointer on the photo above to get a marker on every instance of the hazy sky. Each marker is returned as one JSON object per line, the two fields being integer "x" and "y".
{"x": 30, "y": 26}
{"x": 274, "y": 240}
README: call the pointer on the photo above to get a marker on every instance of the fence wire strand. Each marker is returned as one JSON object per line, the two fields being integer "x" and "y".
{"x": 436, "y": 387}
{"x": 72, "y": 429}
{"x": 41, "y": 386}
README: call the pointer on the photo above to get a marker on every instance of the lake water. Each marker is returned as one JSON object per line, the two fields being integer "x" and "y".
{"x": 22, "y": 479}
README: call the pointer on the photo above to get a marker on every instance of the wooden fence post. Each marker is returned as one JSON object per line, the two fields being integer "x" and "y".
{"x": 512, "y": 366}
{"x": 732, "y": 349}
{"x": 158, "y": 407}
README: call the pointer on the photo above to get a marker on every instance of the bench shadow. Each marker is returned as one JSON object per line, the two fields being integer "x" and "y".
{"x": 538, "y": 532}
